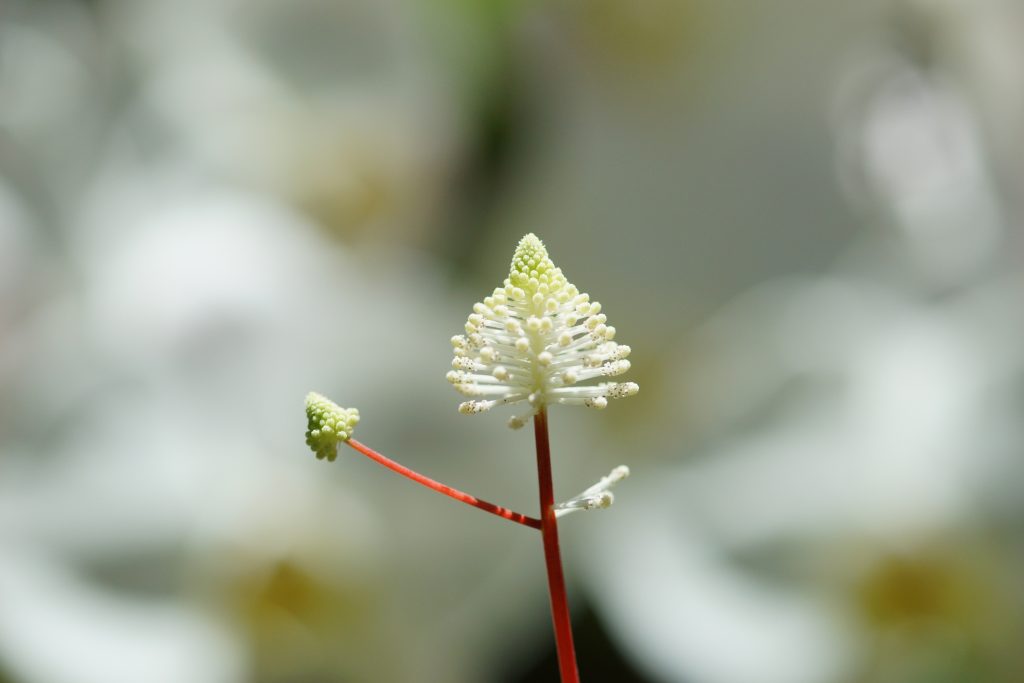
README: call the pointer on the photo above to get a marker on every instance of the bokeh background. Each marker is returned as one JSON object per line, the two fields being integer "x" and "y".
{"x": 803, "y": 215}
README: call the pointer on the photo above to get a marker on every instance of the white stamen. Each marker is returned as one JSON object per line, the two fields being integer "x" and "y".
{"x": 538, "y": 339}
{"x": 595, "y": 497}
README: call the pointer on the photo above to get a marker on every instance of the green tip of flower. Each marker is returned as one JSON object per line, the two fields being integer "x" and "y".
{"x": 328, "y": 425}
{"x": 532, "y": 268}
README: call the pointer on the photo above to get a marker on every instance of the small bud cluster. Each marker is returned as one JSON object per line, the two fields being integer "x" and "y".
{"x": 537, "y": 339}
{"x": 328, "y": 425}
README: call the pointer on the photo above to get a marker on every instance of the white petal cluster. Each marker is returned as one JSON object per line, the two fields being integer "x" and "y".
{"x": 539, "y": 340}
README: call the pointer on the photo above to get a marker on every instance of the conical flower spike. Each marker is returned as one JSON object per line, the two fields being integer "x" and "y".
{"x": 537, "y": 340}
{"x": 328, "y": 425}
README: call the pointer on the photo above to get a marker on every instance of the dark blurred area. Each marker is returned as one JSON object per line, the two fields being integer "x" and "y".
{"x": 803, "y": 216}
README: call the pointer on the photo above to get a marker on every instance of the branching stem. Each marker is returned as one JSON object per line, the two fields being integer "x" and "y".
{"x": 462, "y": 496}
{"x": 547, "y": 524}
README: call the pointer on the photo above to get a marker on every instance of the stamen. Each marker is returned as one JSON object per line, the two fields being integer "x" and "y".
{"x": 537, "y": 338}
{"x": 596, "y": 497}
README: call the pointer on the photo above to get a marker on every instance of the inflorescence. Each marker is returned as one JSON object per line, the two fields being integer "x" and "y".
{"x": 537, "y": 339}
{"x": 328, "y": 425}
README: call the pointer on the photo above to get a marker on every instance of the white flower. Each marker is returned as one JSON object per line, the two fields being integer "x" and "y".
{"x": 537, "y": 339}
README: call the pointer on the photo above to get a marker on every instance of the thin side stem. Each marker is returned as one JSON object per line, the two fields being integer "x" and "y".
{"x": 462, "y": 496}
{"x": 552, "y": 556}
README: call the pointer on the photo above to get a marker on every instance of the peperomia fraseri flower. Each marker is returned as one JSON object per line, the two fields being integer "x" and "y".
{"x": 536, "y": 340}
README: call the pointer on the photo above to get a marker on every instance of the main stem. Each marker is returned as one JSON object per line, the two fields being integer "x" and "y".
{"x": 552, "y": 555}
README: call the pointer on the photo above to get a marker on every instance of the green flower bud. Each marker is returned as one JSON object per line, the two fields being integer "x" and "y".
{"x": 328, "y": 425}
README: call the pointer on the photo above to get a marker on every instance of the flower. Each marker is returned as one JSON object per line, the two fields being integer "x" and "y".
{"x": 329, "y": 425}
{"x": 537, "y": 339}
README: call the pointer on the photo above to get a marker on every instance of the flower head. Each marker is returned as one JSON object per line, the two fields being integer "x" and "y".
{"x": 328, "y": 425}
{"x": 537, "y": 339}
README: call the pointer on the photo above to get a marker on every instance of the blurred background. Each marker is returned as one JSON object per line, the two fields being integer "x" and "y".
{"x": 804, "y": 216}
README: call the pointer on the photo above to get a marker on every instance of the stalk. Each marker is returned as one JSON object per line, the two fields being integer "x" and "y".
{"x": 552, "y": 556}
{"x": 449, "y": 491}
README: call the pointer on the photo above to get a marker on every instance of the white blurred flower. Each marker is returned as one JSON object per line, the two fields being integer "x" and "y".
{"x": 58, "y": 627}
{"x": 875, "y": 422}
{"x": 157, "y": 400}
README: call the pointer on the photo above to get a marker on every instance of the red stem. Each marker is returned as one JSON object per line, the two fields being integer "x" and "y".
{"x": 552, "y": 556}
{"x": 466, "y": 498}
